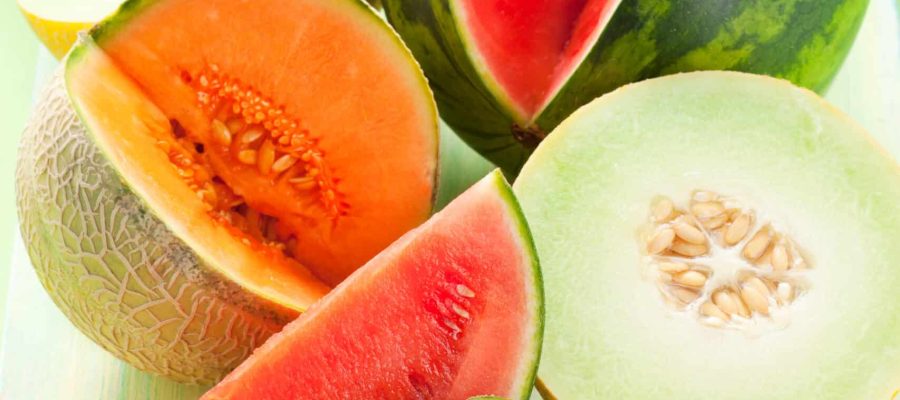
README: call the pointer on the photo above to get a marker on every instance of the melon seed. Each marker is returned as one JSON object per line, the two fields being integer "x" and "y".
{"x": 464, "y": 291}
{"x": 661, "y": 241}
{"x": 725, "y": 302}
{"x": 689, "y": 233}
{"x": 780, "y": 259}
{"x": 757, "y": 284}
{"x": 689, "y": 250}
{"x": 221, "y": 133}
{"x": 460, "y": 311}
{"x": 710, "y": 310}
{"x": 251, "y": 135}
{"x": 715, "y": 222}
{"x": 738, "y": 229}
{"x": 662, "y": 210}
{"x": 755, "y": 300}
{"x": 757, "y": 246}
{"x": 690, "y": 278}
{"x": 707, "y": 210}
{"x": 785, "y": 292}
{"x": 672, "y": 267}
{"x": 247, "y": 157}
{"x": 266, "y": 157}
{"x": 685, "y": 295}
{"x": 283, "y": 163}
{"x": 677, "y": 234}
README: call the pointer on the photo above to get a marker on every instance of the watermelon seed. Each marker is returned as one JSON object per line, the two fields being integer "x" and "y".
{"x": 460, "y": 311}
{"x": 464, "y": 291}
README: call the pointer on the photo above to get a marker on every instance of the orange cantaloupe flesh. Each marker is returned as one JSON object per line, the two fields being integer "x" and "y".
{"x": 346, "y": 81}
{"x": 99, "y": 86}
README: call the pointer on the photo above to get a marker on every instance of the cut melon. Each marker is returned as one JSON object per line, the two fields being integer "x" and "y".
{"x": 716, "y": 235}
{"x": 181, "y": 201}
{"x": 453, "y": 309}
{"x": 57, "y": 22}
{"x": 506, "y": 72}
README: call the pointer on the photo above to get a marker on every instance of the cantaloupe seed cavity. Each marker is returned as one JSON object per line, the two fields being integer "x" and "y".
{"x": 718, "y": 260}
{"x": 252, "y": 132}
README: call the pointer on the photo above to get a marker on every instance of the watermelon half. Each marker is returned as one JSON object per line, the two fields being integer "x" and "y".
{"x": 506, "y": 72}
{"x": 452, "y": 309}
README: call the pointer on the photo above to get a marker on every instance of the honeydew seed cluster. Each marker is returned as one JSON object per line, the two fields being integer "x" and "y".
{"x": 259, "y": 133}
{"x": 685, "y": 245}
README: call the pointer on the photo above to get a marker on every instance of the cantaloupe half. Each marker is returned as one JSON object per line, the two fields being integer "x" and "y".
{"x": 200, "y": 172}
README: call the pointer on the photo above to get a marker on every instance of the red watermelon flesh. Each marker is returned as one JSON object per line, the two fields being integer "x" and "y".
{"x": 531, "y": 46}
{"x": 452, "y": 309}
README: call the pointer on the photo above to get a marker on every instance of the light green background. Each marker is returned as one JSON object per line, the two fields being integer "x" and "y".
{"x": 43, "y": 357}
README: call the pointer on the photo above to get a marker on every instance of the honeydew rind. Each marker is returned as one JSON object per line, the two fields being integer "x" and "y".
{"x": 632, "y": 341}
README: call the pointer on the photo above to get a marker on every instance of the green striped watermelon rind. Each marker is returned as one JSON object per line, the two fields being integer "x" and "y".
{"x": 804, "y": 41}
{"x": 517, "y": 216}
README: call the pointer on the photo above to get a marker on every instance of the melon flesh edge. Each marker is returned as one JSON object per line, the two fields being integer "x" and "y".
{"x": 525, "y": 51}
{"x": 96, "y": 85}
{"x": 115, "y": 269}
{"x": 816, "y": 175}
{"x": 341, "y": 66}
{"x": 383, "y": 332}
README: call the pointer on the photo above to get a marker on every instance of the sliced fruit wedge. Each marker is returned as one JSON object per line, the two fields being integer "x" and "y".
{"x": 453, "y": 309}
{"x": 506, "y": 72}
{"x": 716, "y": 235}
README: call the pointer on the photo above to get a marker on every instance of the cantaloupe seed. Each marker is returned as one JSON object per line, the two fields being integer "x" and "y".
{"x": 253, "y": 116}
{"x": 257, "y": 134}
{"x": 687, "y": 247}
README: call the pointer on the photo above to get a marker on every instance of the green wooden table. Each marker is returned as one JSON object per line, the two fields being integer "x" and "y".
{"x": 43, "y": 357}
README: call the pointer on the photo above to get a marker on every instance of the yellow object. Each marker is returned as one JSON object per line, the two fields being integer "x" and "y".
{"x": 57, "y": 22}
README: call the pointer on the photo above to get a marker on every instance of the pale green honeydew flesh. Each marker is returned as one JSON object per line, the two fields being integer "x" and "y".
{"x": 778, "y": 152}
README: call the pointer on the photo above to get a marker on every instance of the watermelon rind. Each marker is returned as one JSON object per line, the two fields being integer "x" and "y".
{"x": 804, "y": 41}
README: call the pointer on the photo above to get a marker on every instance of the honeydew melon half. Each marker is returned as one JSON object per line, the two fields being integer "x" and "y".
{"x": 791, "y": 290}
{"x": 181, "y": 202}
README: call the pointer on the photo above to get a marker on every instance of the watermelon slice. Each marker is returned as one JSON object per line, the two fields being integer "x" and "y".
{"x": 452, "y": 309}
{"x": 505, "y": 73}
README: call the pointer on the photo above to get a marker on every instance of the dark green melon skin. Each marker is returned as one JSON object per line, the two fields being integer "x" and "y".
{"x": 804, "y": 41}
